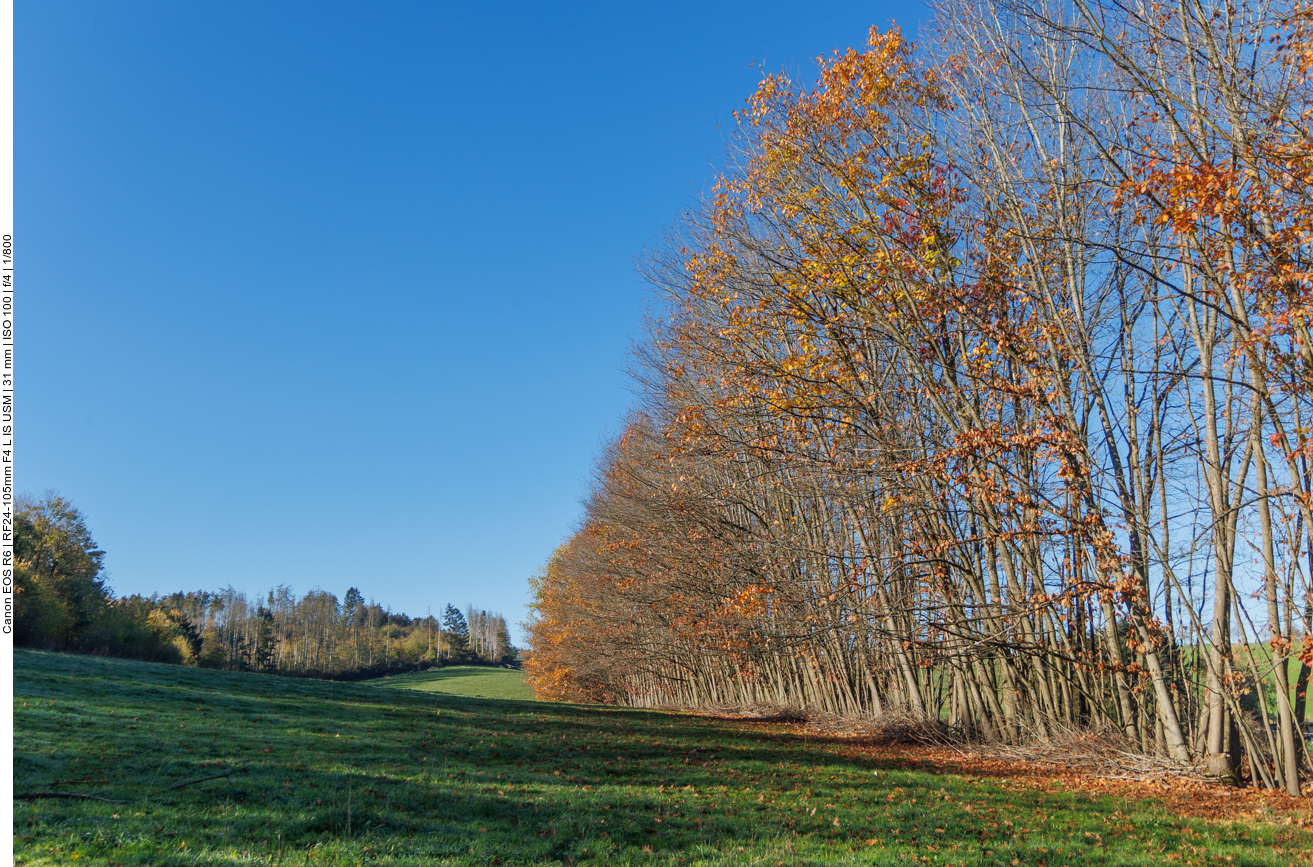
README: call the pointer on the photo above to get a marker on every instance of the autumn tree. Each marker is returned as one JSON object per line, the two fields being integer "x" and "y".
{"x": 59, "y": 589}
{"x": 981, "y": 369}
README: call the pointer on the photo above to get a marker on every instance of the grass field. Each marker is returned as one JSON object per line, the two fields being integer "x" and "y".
{"x": 468, "y": 680}
{"x": 317, "y": 773}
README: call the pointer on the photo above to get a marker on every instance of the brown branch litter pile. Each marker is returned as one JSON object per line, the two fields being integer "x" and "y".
{"x": 1106, "y": 755}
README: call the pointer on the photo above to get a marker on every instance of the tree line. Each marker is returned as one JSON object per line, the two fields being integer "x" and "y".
{"x": 982, "y": 392}
{"x": 63, "y": 603}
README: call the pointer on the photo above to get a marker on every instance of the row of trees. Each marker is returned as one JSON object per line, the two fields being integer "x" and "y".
{"x": 62, "y": 602}
{"x": 316, "y": 635}
{"x": 984, "y": 395}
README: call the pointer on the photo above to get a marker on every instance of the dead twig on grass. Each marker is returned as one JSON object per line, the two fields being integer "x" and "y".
{"x": 201, "y": 780}
{"x": 73, "y": 782}
{"x": 36, "y": 796}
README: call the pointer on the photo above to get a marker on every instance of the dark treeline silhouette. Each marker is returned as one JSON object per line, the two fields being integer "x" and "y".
{"x": 63, "y": 604}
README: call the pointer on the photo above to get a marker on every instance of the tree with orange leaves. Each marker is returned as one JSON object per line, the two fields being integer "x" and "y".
{"x": 972, "y": 390}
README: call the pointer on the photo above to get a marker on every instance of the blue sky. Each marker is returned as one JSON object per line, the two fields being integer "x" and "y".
{"x": 337, "y": 295}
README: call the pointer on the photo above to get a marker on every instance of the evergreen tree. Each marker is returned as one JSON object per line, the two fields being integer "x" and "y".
{"x": 457, "y": 630}
{"x": 262, "y": 656}
{"x": 504, "y": 649}
{"x": 352, "y": 607}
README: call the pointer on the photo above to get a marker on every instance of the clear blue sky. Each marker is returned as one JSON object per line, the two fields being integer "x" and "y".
{"x": 333, "y": 294}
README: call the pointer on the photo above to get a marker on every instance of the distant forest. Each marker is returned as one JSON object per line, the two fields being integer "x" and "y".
{"x": 62, "y": 603}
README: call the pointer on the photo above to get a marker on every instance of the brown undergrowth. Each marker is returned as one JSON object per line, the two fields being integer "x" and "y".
{"x": 1084, "y": 762}
{"x": 1098, "y": 764}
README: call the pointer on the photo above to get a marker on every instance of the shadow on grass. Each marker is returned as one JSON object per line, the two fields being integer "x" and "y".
{"x": 347, "y": 772}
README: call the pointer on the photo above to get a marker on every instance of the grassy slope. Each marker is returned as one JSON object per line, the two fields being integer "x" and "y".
{"x": 427, "y": 778}
{"x": 467, "y": 680}
{"x": 1263, "y": 662}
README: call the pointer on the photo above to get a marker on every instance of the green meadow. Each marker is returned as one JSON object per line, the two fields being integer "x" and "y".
{"x": 189, "y": 766}
{"x": 468, "y": 680}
